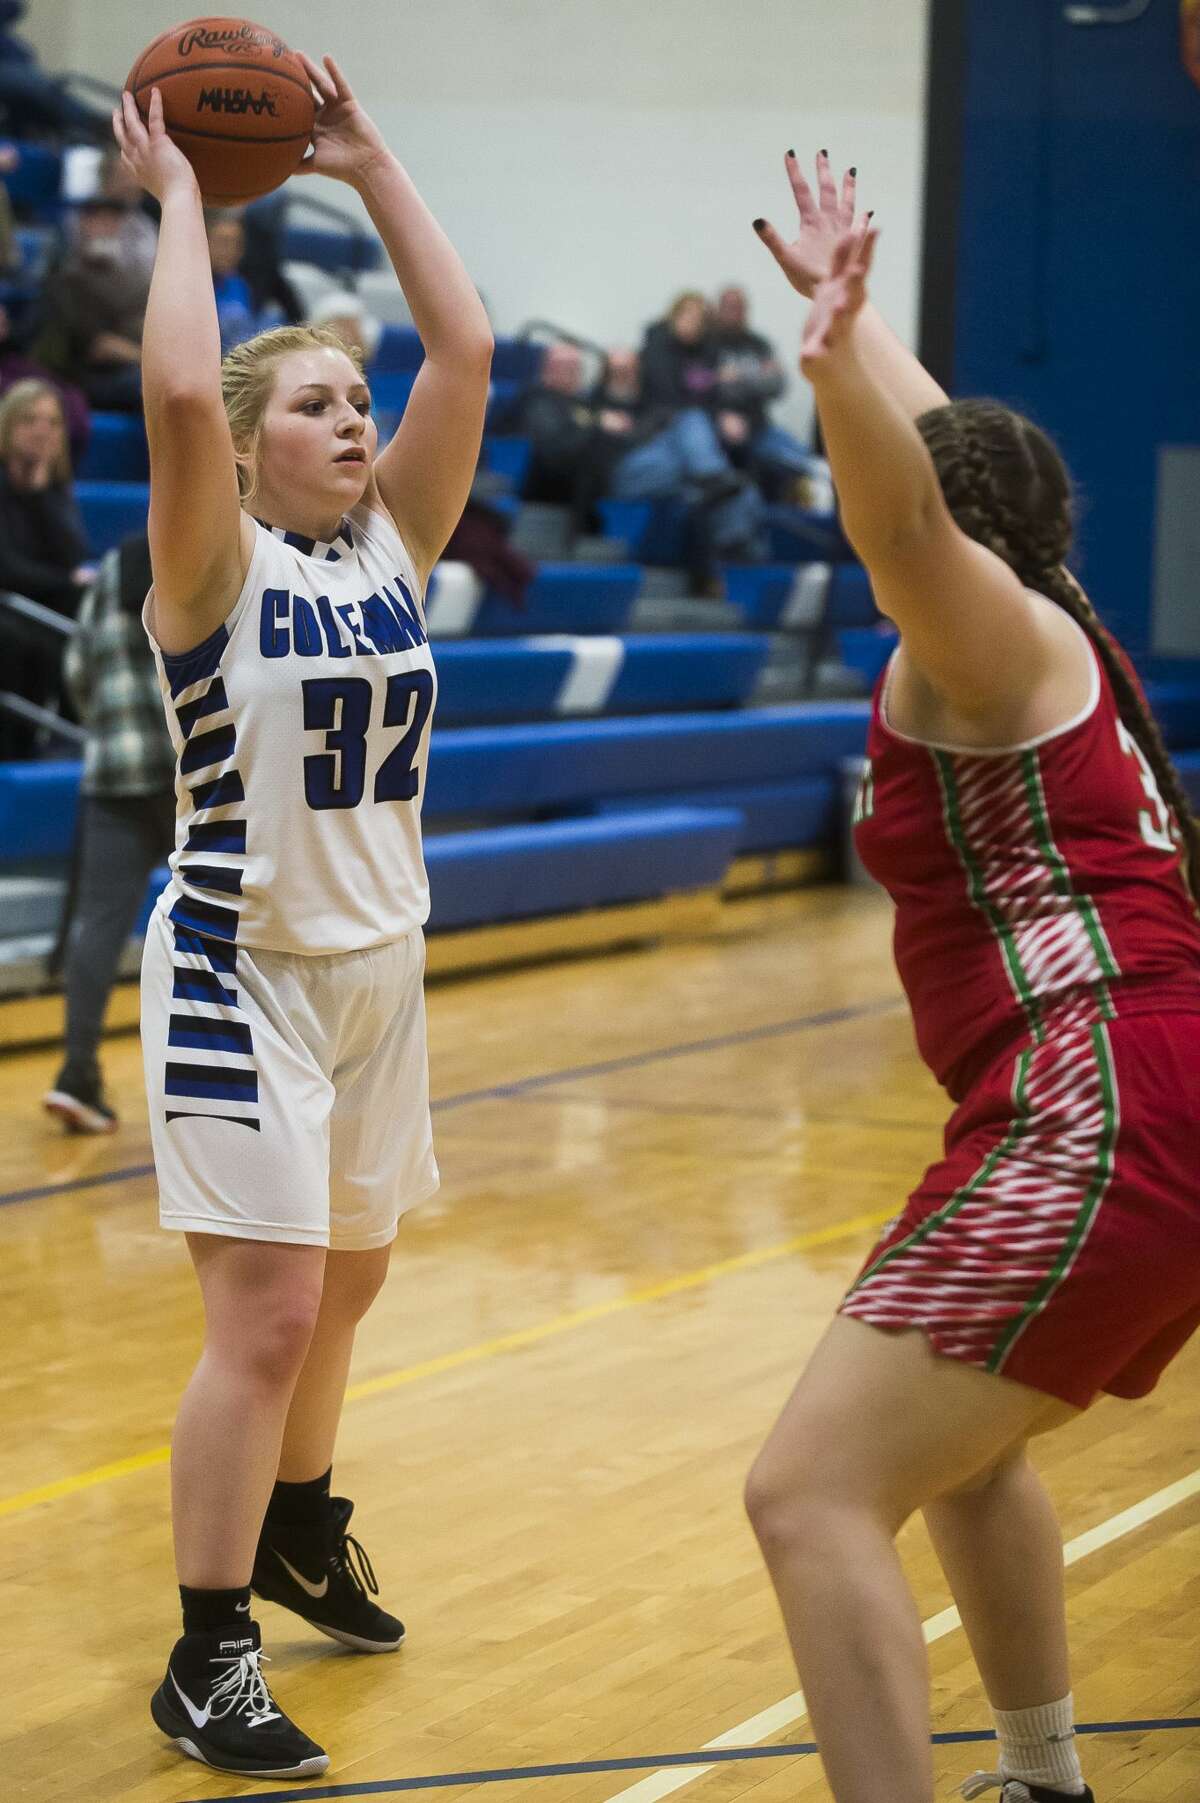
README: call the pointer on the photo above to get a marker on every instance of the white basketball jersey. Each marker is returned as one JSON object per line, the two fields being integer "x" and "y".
{"x": 301, "y": 727}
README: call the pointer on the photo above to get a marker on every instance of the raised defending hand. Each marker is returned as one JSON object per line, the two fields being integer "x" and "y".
{"x": 839, "y": 297}
{"x": 146, "y": 150}
{"x": 807, "y": 259}
{"x": 345, "y": 140}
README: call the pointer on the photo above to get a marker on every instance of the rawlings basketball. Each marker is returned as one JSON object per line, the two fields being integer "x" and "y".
{"x": 236, "y": 100}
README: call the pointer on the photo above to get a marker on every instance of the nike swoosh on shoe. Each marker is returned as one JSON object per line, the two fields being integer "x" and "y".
{"x": 199, "y": 1716}
{"x": 314, "y": 1590}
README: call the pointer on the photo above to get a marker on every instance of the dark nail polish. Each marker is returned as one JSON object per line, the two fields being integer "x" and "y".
{"x": 871, "y": 214}
{"x": 824, "y": 153}
{"x": 792, "y": 154}
{"x": 853, "y": 171}
{"x": 758, "y": 224}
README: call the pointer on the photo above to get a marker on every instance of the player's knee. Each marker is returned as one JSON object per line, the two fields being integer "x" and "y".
{"x": 277, "y": 1340}
{"x": 353, "y": 1287}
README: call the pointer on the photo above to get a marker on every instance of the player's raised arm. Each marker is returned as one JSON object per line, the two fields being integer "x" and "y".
{"x": 425, "y": 473}
{"x": 966, "y": 620}
{"x": 196, "y": 522}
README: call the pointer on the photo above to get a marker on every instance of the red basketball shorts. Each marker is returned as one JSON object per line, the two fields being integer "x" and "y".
{"x": 1058, "y": 1241}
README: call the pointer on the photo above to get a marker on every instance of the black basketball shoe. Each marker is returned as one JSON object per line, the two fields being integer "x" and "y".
{"x": 1015, "y": 1790}
{"x": 78, "y": 1101}
{"x": 323, "y": 1574}
{"x": 215, "y": 1705}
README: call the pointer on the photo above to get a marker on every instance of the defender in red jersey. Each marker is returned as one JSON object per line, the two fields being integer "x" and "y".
{"x": 1020, "y": 808}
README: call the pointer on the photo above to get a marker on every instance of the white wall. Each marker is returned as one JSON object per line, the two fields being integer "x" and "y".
{"x": 592, "y": 157}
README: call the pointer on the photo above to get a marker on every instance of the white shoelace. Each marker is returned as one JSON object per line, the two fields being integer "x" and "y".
{"x": 243, "y": 1691}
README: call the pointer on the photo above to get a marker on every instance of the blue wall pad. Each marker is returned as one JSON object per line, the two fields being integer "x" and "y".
{"x": 112, "y": 510}
{"x": 480, "y": 770}
{"x": 565, "y": 597}
{"x": 518, "y": 872}
{"x": 38, "y": 804}
{"x": 803, "y": 811}
{"x": 481, "y": 680}
{"x": 117, "y": 451}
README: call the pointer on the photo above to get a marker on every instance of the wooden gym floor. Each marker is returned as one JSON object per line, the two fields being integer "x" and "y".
{"x": 660, "y": 1169}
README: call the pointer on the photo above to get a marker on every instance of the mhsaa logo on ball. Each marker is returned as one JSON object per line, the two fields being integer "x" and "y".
{"x": 236, "y": 100}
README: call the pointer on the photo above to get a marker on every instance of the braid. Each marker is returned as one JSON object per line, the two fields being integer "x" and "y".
{"x": 1059, "y": 586}
{"x": 1007, "y": 488}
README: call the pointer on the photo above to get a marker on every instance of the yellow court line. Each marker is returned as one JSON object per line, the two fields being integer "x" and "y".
{"x": 486, "y": 1349}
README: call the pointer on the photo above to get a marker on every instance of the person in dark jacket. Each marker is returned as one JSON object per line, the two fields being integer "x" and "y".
{"x": 95, "y": 309}
{"x": 678, "y": 359}
{"x": 749, "y": 377}
{"x": 43, "y": 547}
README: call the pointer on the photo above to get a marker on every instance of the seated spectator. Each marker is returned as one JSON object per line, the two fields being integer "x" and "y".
{"x": 93, "y": 313}
{"x": 678, "y": 358}
{"x": 343, "y": 312}
{"x": 43, "y": 547}
{"x": 749, "y": 376}
{"x": 139, "y": 217}
{"x": 15, "y": 367}
{"x": 34, "y": 103}
{"x": 237, "y": 315}
{"x": 265, "y": 225}
{"x": 556, "y": 419}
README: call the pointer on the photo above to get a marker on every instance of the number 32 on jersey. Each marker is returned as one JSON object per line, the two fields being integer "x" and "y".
{"x": 340, "y": 707}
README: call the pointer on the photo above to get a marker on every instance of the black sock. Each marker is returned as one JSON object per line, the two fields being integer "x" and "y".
{"x": 300, "y": 1505}
{"x": 205, "y": 1611}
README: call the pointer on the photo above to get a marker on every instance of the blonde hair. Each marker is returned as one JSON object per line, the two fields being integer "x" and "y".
{"x": 17, "y": 403}
{"x": 247, "y": 378}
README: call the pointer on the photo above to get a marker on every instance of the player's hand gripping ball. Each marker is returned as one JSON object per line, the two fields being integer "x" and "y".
{"x": 236, "y": 100}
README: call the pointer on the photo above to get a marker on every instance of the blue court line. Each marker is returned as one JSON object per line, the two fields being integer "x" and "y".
{"x": 507, "y": 1092}
{"x": 711, "y": 1756}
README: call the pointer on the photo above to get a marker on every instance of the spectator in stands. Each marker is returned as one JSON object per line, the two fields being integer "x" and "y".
{"x": 679, "y": 362}
{"x": 95, "y": 307}
{"x": 139, "y": 223}
{"x": 237, "y": 315}
{"x": 265, "y": 225}
{"x": 15, "y": 367}
{"x": 43, "y": 548}
{"x": 32, "y": 102}
{"x": 556, "y": 419}
{"x": 10, "y": 250}
{"x": 127, "y": 821}
{"x": 343, "y": 312}
{"x": 749, "y": 376}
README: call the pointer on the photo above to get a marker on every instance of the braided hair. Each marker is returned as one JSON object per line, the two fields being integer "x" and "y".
{"x": 1007, "y": 487}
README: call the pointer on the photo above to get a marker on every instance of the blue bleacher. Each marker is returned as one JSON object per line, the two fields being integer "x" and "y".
{"x": 783, "y": 814}
{"x": 334, "y": 251}
{"x": 36, "y": 183}
{"x": 867, "y": 649}
{"x": 519, "y": 872}
{"x": 655, "y": 531}
{"x": 530, "y": 679}
{"x": 112, "y": 511}
{"x": 565, "y": 597}
{"x": 117, "y": 451}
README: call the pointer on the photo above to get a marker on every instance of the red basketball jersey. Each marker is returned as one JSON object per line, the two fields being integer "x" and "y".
{"x": 1036, "y": 887}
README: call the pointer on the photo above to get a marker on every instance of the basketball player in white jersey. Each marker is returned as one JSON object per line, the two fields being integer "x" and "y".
{"x": 282, "y": 1013}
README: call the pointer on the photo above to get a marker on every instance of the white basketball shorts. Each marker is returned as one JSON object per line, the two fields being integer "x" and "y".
{"x": 289, "y": 1096}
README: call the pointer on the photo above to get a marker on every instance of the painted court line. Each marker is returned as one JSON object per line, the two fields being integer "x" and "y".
{"x": 792, "y": 1709}
{"x": 501, "y": 1092}
{"x": 473, "y": 1355}
{"x": 581, "y": 1768}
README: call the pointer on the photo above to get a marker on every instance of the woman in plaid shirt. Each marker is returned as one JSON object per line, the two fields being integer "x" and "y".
{"x": 127, "y": 823}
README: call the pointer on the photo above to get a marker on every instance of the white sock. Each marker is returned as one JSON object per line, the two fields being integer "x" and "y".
{"x": 1038, "y": 1746}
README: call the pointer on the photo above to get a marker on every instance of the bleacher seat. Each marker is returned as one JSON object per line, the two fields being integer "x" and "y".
{"x": 1176, "y": 704}
{"x": 786, "y": 814}
{"x": 519, "y": 872}
{"x": 338, "y": 252}
{"x": 36, "y": 182}
{"x": 530, "y": 679}
{"x": 480, "y": 771}
{"x": 112, "y": 511}
{"x": 563, "y": 597}
{"x": 118, "y": 451}
{"x": 38, "y": 804}
{"x": 655, "y": 531}
{"x": 867, "y": 649}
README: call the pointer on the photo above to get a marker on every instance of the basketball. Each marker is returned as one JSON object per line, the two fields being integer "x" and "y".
{"x": 235, "y": 99}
